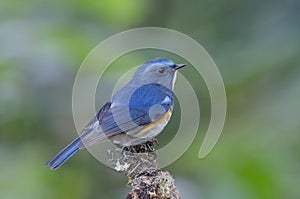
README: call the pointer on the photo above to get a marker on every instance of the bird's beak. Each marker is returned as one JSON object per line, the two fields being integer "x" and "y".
{"x": 178, "y": 66}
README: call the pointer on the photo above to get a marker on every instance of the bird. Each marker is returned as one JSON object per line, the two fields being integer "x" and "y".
{"x": 137, "y": 113}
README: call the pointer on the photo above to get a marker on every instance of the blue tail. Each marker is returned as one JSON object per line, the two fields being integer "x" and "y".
{"x": 64, "y": 155}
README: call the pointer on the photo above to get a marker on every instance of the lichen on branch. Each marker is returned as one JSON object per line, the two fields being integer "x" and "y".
{"x": 146, "y": 179}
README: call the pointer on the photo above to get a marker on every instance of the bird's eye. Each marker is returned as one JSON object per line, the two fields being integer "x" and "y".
{"x": 161, "y": 70}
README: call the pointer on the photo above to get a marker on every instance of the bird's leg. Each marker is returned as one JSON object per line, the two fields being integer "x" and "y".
{"x": 149, "y": 146}
{"x": 131, "y": 149}
{"x": 155, "y": 140}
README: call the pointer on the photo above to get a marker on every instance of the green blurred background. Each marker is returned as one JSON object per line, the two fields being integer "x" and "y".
{"x": 256, "y": 45}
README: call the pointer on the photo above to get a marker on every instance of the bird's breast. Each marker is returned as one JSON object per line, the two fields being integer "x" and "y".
{"x": 144, "y": 133}
{"x": 151, "y": 130}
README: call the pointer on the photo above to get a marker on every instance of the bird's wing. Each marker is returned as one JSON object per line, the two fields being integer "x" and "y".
{"x": 104, "y": 124}
{"x": 116, "y": 119}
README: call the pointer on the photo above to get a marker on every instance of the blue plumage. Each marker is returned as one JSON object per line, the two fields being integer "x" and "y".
{"x": 148, "y": 97}
{"x": 64, "y": 155}
{"x": 162, "y": 61}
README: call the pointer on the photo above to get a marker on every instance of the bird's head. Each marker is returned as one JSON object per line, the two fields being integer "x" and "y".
{"x": 159, "y": 71}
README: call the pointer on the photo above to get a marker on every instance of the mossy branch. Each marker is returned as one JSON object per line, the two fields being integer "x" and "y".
{"x": 147, "y": 181}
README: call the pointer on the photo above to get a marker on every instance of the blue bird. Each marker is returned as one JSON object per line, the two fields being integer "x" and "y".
{"x": 137, "y": 113}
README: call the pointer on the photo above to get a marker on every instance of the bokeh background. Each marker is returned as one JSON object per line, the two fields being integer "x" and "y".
{"x": 255, "y": 44}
